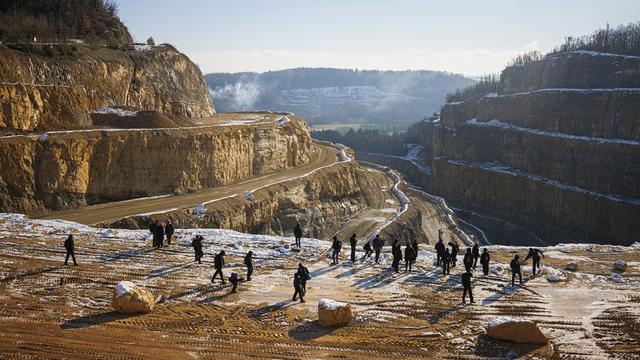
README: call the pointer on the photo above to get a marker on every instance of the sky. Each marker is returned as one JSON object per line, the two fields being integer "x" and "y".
{"x": 471, "y": 37}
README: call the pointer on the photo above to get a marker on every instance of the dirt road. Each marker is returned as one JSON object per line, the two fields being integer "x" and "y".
{"x": 321, "y": 156}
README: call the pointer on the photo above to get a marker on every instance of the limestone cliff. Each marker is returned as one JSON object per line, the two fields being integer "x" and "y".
{"x": 554, "y": 158}
{"x": 60, "y": 170}
{"x": 43, "y": 93}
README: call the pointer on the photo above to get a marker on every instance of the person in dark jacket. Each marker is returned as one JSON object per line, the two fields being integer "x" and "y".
{"x": 466, "y": 284}
{"x": 377, "y": 246}
{"x": 534, "y": 254}
{"x": 305, "y": 276}
{"x": 414, "y": 245}
{"x": 446, "y": 262}
{"x": 409, "y": 257}
{"x": 396, "y": 253}
{"x": 248, "y": 262}
{"x": 152, "y": 230}
{"x": 484, "y": 260}
{"x": 169, "y": 231}
{"x": 468, "y": 260}
{"x": 218, "y": 263}
{"x": 297, "y": 232}
{"x": 439, "y": 251}
{"x": 298, "y": 287}
{"x": 353, "y": 242}
{"x": 233, "y": 279}
{"x": 454, "y": 253}
{"x": 159, "y": 235}
{"x": 197, "y": 248}
{"x": 476, "y": 254}
{"x": 336, "y": 246}
{"x": 69, "y": 245}
{"x": 515, "y": 270}
{"x": 368, "y": 251}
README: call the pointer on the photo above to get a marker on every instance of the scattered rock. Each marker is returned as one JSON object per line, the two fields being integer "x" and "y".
{"x": 331, "y": 312}
{"x": 571, "y": 267}
{"x": 516, "y": 330}
{"x": 617, "y": 278}
{"x": 555, "y": 278}
{"x": 497, "y": 269}
{"x": 620, "y": 265}
{"x": 128, "y": 298}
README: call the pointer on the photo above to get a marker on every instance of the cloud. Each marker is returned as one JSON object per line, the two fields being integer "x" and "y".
{"x": 470, "y": 62}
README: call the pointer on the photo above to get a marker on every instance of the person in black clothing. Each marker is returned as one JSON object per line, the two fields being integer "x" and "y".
{"x": 367, "y": 250}
{"x": 218, "y": 263}
{"x": 159, "y": 234}
{"x": 169, "y": 231}
{"x": 466, "y": 283}
{"x": 446, "y": 262}
{"x": 409, "y": 257}
{"x": 297, "y": 285}
{"x": 515, "y": 270}
{"x": 454, "y": 253}
{"x": 337, "y": 246}
{"x": 440, "y": 250}
{"x": 468, "y": 260}
{"x": 534, "y": 254}
{"x": 248, "y": 262}
{"x": 476, "y": 254}
{"x": 197, "y": 248}
{"x": 233, "y": 279}
{"x": 69, "y": 245}
{"x": 414, "y": 245}
{"x": 305, "y": 276}
{"x": 152, "y": 230}
{"x": 484, "y": 260}
{"x": 377, "y": 246}
{"x": 396, "y": 252}
{"x": 297, "y": 232}
{"x": 353, "y": 242}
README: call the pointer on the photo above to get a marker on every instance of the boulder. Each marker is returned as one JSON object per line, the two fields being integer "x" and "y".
{"x": 128, "y": 298}
{"x": 331, "y": 312}
{"x": 571, "y": 267}
{"x": 620, "y": 265}
{"x": 516, "y": 330}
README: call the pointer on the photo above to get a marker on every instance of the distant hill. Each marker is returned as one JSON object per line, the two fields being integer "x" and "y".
{"x": 324, "y": 95}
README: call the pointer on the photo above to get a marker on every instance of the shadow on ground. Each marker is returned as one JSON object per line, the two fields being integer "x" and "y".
{"x": 311, "y": 331}
{"x": 94, "y": 319}
{"x": 487, "y": 347}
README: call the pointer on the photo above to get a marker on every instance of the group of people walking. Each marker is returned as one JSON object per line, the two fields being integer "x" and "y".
{"x": 445, "y": 257}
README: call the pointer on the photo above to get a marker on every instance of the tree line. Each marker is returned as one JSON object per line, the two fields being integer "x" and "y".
{"x": 60, "y": 20}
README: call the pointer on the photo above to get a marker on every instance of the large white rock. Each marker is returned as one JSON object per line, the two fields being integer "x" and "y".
{"x": 331, "y": 312}
{"x": 620, "y": 265}
{"x": 516, "y": 330}
{"x": 129, "y": 298}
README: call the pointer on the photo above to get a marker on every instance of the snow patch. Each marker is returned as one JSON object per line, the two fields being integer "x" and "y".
{"x": 124, "y": 287}
{"x": 115, "y": 111}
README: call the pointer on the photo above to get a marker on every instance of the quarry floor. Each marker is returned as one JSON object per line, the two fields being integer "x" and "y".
{"x": 53, "y": 311}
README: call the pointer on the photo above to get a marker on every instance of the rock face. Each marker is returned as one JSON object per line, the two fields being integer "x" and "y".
{"x": 332, "y": 313}
{"x": 39, "y": 93}
{"x": 321, "y": 202}
{"x": 63, "y": 170}
{"x": 516, "y": 330}
{"x": 128, "y": 298}
{"x": 551, "y": 159}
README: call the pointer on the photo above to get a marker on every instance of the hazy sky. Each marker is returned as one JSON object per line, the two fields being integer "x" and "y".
{"x": 472, "y": 37}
